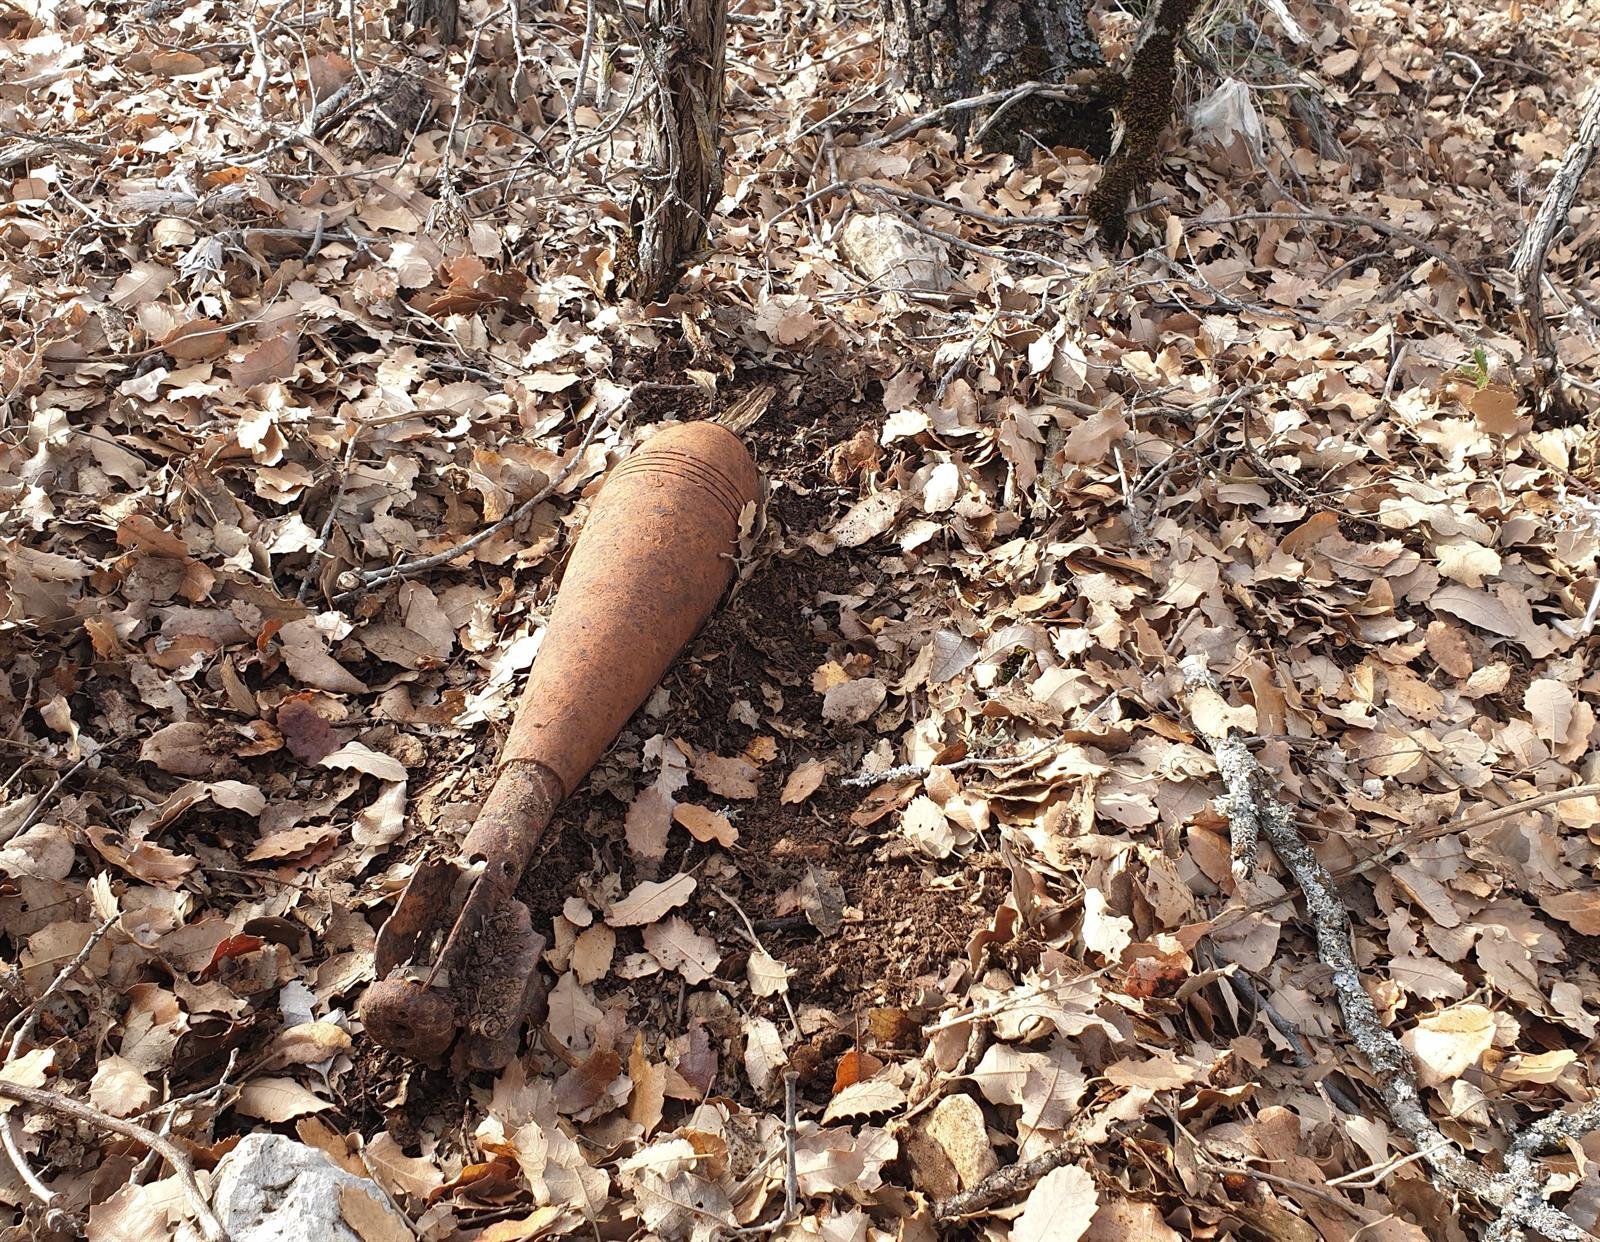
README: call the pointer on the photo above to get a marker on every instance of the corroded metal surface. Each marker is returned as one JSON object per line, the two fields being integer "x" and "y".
{"x": 653, "y": 560}
{"x": 457, "y": 961}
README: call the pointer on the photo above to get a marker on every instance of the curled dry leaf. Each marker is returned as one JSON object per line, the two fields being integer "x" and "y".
{"x": 767, "y": 976}
{"x": 119, "y": 1088}
{"x": 804, "y": 781}
{"x": 306, "y": 731}
{"x": 677, "y": 946}
{"x": 358, "y": 758}
{"x": 278, "y": 1099}
{"x": 1060, "y": 1208}
{"x": 852, "y": 702}
{"x": 763, "y": 1054}
{"x": 727, "y": 777}
{"x": 31, "y": 1069}
{"x": 867, "y": 520}
{"x": 704, "y": 824}
{"x": 862, "y": 1099}
{"x": 308, "y": 1043}
{"x": 1447, "y": 1044}
{"x": 648, "y": 822}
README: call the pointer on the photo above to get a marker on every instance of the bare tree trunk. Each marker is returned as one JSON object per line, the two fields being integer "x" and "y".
{"x": 442, "y": 16}
{"x": 680, "y": 145}
{"x": 1145, "y": 110}
{"x": 955, "y": 49}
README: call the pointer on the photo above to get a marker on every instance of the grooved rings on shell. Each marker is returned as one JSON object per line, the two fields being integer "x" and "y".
{"x": 695, "y": 470}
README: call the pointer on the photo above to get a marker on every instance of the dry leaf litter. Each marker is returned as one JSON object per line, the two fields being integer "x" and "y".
{"x": 924, "y": 831}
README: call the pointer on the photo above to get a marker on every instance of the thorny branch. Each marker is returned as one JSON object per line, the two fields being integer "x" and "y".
{"x": 916, "y": 771}
{"x": 1250, "y": 801}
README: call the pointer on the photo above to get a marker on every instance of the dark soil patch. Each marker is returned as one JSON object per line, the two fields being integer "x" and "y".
{"x": 758, "y": 653}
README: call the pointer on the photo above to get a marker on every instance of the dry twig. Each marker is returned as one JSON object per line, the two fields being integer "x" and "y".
{"x": 791, "y": 1172}
{"x": 17, "y": 1033}
{"x": 755, "y": 940}
{"x": 42, "y": 806}
{"x": 1004, "y": 98}
{"x": 358, "y": 581}
{"x": 54, "y": 1102}
{"x": 1349, "y": 220}
{"x": 1003, "y": 1184}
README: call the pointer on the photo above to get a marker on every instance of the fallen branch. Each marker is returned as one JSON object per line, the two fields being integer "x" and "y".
{"x": 791, "y": 1172}
{"x": 1516, "y": 1192}
{"x": 1528, "y": 260}
{"x": 29, "y": 148}
{"x": 42, "y": 806}
{"x": 1005, "y": 98}
{"x": 1409, "y": 839}
{"x": 1541, "y": 1136}
{"x": 1349, "y": 220}
{"x": 17, "y": 1033}
{"x": 1245, "y": 989}
{"x": 1003, "y": 1184}
{"x": 916, "y": 771}
{"x": 64, "y": 1106}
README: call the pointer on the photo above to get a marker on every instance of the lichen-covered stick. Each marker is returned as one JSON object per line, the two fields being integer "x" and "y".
{"x": 1250, "y": 803}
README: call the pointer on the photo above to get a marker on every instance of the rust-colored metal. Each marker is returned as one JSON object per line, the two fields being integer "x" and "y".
{"x": 457, "y": 961}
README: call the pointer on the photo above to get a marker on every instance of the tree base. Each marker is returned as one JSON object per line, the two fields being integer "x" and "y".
{"x": 679, "y": 146}
{"x": 442, "y": 16}
{"x": 955, "y": 49}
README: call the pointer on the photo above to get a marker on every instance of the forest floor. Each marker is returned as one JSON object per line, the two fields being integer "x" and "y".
{"x": 268, "y": 323}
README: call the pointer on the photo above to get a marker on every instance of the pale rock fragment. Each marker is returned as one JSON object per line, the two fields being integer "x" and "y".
{"x": 272, "y": 1189}
{"x": 958, "y": 1127}
{"x": 891, "y": 253}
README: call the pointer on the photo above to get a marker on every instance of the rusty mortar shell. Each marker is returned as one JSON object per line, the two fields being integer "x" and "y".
{"x": 653, "y": 559}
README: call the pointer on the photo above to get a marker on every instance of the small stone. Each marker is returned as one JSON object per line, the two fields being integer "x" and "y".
{"x": 272, "y": 1189}
{"x": 931, "y": 1170}
{"x": 889, "y": 252}
{"x": 958, "y": 1127}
